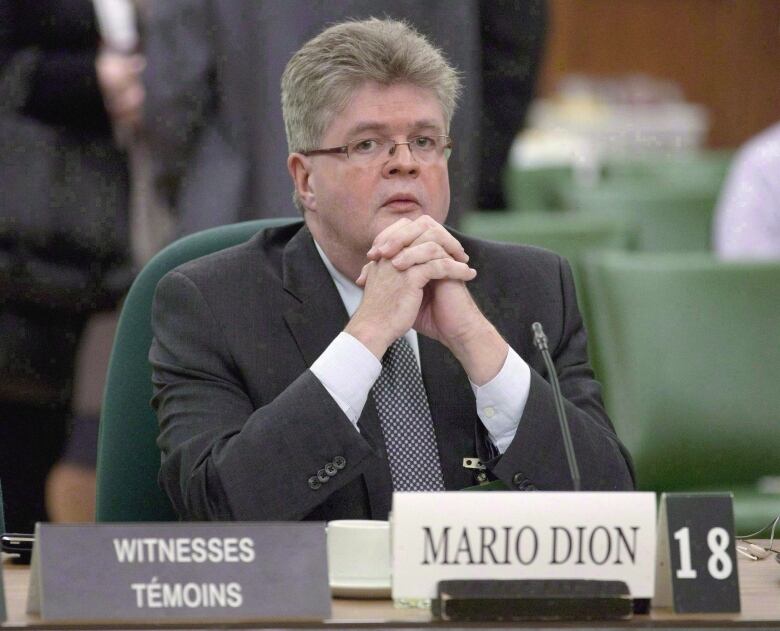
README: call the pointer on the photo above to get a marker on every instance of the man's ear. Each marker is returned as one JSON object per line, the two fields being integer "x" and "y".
{"x": 299, "y": 167}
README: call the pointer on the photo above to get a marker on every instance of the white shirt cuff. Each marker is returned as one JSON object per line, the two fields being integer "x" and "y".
{"x": 501, "y": 401}
{"x": 348, "y": 370}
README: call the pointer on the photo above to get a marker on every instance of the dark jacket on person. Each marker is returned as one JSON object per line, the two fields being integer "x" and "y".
{"x": 244, "y": 423}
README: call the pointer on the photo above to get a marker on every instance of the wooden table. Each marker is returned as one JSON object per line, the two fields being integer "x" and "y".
{"x": 759, "y": 588}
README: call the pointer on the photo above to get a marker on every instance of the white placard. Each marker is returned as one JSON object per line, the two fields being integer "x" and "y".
{"x": 542, "y": 535}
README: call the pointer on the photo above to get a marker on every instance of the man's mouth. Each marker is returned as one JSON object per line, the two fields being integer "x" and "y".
{"x": 402, "y": 202}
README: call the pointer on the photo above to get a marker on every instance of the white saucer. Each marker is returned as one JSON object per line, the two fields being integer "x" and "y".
{"x": 362, "y": 588}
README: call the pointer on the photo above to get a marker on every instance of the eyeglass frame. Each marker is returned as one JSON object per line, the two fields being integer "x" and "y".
{"x": 408, "y": 143}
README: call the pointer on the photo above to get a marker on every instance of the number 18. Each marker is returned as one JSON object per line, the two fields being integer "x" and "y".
{"x": 719, "y": 564}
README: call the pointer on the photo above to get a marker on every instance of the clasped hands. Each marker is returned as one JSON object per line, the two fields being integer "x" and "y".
{"x": 416, "y": 278}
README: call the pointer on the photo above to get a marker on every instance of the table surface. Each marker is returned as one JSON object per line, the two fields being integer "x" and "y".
{"x": 759, "y": 589}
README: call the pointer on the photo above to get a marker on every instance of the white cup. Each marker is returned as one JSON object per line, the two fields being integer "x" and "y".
{"x": 359, "y": 552}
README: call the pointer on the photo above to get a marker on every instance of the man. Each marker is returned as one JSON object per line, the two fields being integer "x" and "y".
{"x": 309, "y": 372}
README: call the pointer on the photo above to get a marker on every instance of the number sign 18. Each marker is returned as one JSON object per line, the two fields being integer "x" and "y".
{"x": 696, "y": 570}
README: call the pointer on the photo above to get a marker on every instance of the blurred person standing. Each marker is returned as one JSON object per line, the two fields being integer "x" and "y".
{"x": 63, "y": 230}
{"x": 213, "y": 115}
{"x": 71, "y": 485}
{"x": 747, "y": 218}
{"x": 512, "y": 36}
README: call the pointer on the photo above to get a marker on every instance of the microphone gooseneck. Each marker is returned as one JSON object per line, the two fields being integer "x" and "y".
{"x": 540, "y": 341}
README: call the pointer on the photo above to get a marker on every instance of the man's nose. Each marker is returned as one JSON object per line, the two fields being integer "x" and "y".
{"x": 401, "y": 161}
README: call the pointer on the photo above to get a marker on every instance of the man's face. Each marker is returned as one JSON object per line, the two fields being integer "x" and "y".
{"x": 350, "y": 202}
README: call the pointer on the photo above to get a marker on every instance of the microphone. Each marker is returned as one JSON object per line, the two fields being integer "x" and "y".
{"x": 540, "y": 341}
{"x": 547, "y": 599}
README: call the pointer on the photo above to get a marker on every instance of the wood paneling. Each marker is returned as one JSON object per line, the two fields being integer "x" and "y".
{"x": 724, "y": 53}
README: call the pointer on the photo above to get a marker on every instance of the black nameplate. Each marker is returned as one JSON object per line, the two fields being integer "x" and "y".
{"x": 526, "y": 600}
{"x": 700, "y": 551}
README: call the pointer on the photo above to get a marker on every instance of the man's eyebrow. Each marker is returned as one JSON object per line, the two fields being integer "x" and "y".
{"x": 381, "y": 128}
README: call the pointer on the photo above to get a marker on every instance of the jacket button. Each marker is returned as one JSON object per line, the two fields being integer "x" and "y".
{"x": 518, "y": 479}
{"x": 314, "y": 483}
{"x": 339, "y": 462}
{"x": 322, "y": 476}
{"x": 331, "y": 469}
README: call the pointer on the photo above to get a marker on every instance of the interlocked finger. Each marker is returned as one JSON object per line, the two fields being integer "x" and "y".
{"x": 418, "y": 254}
{"x": 400, "y": 235}
{"x": 439, "y": 269}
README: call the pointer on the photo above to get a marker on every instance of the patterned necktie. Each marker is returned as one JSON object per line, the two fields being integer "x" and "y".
{"x": 406, "y": 422}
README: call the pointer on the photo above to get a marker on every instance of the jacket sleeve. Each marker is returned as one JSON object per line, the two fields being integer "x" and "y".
{"x": 223, "y": 458}
{"x": 536, "y": 458}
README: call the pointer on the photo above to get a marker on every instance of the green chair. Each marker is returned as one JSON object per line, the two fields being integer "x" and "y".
{"x": 568, "y": 234}
{"x": 128, "y": 458}
{"x": 536, "y": 189}
{"x": 666, "y": 217}
{"x": 572, "y": 235}
{"x": 690, "y": 352}
{"x": 705, "y": 168}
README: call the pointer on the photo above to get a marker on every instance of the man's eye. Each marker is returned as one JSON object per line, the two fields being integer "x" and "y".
{"x": 365, "y": 146}
{"x": 424, "y": 142}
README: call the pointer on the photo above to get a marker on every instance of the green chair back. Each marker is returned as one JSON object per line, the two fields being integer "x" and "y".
{"x": 128, "y": 457}
{"x": 569, "y": 234}
{"x": 572, "y": 235}
{"x": 665, "y": 217}
{"x": 690, "y": 354}
{"x": 536, "y": 189}
{"x": 704, "y": 168}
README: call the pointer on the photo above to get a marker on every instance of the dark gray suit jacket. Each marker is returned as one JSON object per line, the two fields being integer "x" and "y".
{"x": 244, "y": 423}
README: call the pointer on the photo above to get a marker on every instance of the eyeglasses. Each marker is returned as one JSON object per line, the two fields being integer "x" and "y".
{"x": 379, "y": 150}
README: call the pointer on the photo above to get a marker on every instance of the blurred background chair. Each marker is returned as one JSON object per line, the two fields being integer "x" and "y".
{"x": 690, "y": 352}
{"x": 704, "y": 167}
{"x": 666, "y": 201}
{"x": 570, "y": 234}
{"x": 666, "y": 216}
{"x": 128, "y": 457}
{"x": 536, "y": 188}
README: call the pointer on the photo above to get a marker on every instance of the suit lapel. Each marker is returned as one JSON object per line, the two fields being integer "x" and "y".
{"x": 314, "y": 322}
{"x": 319, "y": 315}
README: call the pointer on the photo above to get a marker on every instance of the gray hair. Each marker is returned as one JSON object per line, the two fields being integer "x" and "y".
{"x": 321, "y": 77}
